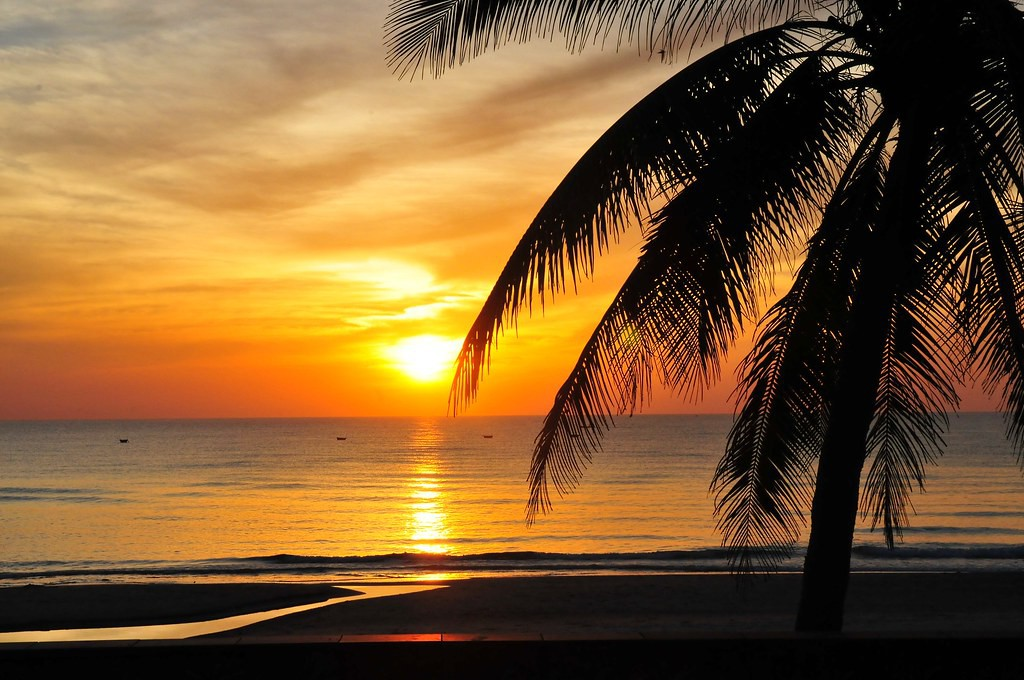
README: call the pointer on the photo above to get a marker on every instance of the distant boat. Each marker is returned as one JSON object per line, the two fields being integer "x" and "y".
{"x": 488, "y": 436}
{"x": 341, "y": 439}
{"x": 124, "y": 441}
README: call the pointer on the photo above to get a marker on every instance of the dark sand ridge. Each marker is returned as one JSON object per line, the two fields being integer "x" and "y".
{"x": 582, "y": 605}
{"x": 35, "y": 607}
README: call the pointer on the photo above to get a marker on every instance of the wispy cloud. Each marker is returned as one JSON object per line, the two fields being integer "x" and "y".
{"x": 196, "y": 182}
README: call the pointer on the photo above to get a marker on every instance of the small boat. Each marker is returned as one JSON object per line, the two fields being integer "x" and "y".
{"x": 488, "y": 436}
{"x": 341, "y": 439}
{"x": 124, "y": 441}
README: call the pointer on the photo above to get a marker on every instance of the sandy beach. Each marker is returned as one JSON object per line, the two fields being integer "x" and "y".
{"x": 918, "y": 618}
{"x": 718, "y": 603}
{"x": 599, "y": 605}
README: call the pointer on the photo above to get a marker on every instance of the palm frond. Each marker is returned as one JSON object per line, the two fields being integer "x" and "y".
{"x": 1000, "y": 343}
{"x": 660, "y": 144}
{"x": 933, "y": 318}
{"x": 681, "y": 308}
{"x": 761, "y": 483}
{"x": 924, "y": 354}
{"x": 915, "y": 393}
{"x": 435, "y": 35}
{"x": 990, "y": 137}
{"x": 994, "y": 106}
{"x": 985, "y": 129}
{"x": 701, "y": 272}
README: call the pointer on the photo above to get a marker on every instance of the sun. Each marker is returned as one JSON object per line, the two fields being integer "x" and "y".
{"x": 424, "y": 358}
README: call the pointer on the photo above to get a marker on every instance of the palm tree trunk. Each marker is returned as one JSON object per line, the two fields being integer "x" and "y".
{"x": 836, "y": 493}
{"x": 844, "y": 448}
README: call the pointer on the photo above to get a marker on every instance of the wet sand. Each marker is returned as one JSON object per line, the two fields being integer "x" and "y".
{"x": 579, "y": 605}
{"x": 34, "y": 607}
{"x": 596, "y": 627}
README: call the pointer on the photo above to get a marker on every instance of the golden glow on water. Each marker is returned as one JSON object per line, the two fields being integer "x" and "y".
{"x": 441, "y": 576}
{"x": 427, "y": 519}
{"x": 432, "y": 488}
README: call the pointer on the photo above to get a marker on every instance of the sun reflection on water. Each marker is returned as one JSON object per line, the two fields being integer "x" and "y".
{"x": 428, "y": 520}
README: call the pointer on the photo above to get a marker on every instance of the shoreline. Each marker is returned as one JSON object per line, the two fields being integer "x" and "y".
{"x": 877, "y": 603}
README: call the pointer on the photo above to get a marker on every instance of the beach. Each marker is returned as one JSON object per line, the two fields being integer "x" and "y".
{"x": 934, "y": 614}
{"x": 976, "y": 603}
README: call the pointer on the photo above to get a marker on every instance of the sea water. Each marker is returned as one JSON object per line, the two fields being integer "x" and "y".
{"x": 400, "y": 498}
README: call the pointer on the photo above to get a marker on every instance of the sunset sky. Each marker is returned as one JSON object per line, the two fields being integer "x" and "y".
{"x": 236, "y": 209}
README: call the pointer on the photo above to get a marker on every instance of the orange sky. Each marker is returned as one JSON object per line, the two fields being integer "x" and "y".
{"x": 234, "y": 209}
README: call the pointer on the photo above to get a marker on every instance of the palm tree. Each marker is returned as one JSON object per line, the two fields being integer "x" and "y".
{"x": 879, "y": 142}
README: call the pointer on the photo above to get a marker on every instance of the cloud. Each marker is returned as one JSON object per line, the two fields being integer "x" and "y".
{"x": 125, "y": 87}
{"x": 256, "y": 107}
{"x": 544, "y": 97}
{"x": 194, "y": 181}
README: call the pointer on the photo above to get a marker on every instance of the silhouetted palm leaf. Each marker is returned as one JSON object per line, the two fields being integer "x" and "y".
{"x": 702, "y": 270}
{"x": 659, "y": 145}
{"x": 762, "y": 481}
{"x": 435, "y": 35}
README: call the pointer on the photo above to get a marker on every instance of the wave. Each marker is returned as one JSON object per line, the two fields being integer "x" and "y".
{"x": 360, "y": 567}
{"x": 501, "y": 558}
{"x": 964, "y": 531}
{"x": 942, "y": 553}
{"x": 32, "y": 494}
{"x": 286, "y": 566}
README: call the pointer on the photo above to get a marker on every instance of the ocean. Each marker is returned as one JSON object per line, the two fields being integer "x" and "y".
{"x": 370, "y": 499}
